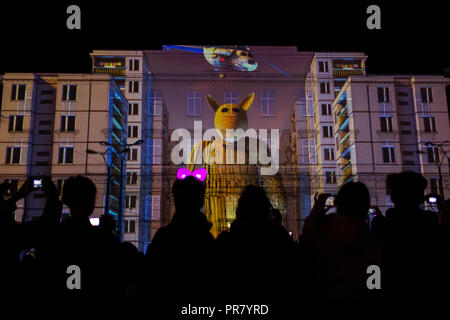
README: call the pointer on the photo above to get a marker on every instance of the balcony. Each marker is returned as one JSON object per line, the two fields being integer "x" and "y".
{"x": 347, "y": 72}
{"x": 347, "y": 173}
{"x": 115, "y": 72}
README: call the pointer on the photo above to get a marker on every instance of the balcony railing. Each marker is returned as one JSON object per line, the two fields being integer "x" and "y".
{"x": 115, "y": 72}
{"x": 346, "y": 73}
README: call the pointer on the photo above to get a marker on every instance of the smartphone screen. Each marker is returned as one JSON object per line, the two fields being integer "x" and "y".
{"x": 330, "y": 201}
{"x": 37, "y": 183}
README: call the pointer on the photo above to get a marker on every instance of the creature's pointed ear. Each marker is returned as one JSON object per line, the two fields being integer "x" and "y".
{"x": 247, "y": 102}
{"x": 212, "y": 102}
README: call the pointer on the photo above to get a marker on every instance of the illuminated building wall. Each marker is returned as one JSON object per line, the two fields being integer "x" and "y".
{"x": 328, "y": 72}
{"x": 130, "y": 72}
{"x": 383, "y": 125}
{"x": 48, "y": 121}
{"x": 183, "y": 79}
{"x": 323, "y": 141}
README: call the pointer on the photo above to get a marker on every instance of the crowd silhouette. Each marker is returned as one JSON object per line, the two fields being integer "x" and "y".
{"x": 256, "y": 261}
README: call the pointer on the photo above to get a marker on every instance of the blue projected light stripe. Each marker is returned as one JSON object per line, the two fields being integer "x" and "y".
{"x": 185, "y": 48}
{"x": 344, "y": 124}
{"x": 273, "y": 66}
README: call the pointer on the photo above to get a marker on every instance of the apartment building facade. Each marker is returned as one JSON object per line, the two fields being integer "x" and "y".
{"x": 328, "y": 72}
{"x": 335, "y": 124}
{"x": 387, "y": 124}
{"x": 182, "y": 80}
{"x": 49, "y": 121}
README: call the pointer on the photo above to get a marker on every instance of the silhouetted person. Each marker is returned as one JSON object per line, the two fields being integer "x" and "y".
{"x": 258, "y": 257}
{"x": 444, "y": 213}
{"x": 179, "y": 258}
{"x": 130, "y": 268}
{"x": 339, "y": 245}
{"x": 21, "y": 242}
{"x": 275, "y": 216}
{"x": 410, "y": 239}
{"x": 76, "y": 242}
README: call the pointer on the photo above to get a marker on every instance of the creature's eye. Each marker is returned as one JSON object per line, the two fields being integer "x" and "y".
{"x": 236, "y": 110}
{"x": 225, "y": 110}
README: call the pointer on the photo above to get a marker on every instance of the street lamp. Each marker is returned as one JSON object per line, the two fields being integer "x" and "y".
{"x": 124, "y": 150}
{"x": 108, "y": 178}
{"x": 438, "y": 162}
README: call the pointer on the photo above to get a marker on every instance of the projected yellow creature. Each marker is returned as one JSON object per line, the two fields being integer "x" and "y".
{"x": 225, "y": 181}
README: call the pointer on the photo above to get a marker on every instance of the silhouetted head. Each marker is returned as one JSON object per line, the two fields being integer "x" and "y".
{"x": 253, "y": 205}
{"x": 107, "y": 223}
{"x": 230, "y": 115}
{"x": 275, "y": 216}
{"x": 79, "y": 195}
{"x": 353, "y": 200}
{"x": 188, "y": 194}
{"x": 444, "y": 213}
{"x": 407, "y": 189}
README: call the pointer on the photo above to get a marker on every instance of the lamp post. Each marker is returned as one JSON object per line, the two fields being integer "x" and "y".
{"x": 108, "y": 178}
{"x": 438, "y": 162}
{"x": 124, "y": 151}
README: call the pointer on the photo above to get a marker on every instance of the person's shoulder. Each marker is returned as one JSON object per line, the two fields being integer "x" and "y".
{"x": 429, "y": 217}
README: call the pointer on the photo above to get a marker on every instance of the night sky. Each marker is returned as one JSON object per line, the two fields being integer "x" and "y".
{"x": 412, "y": 38}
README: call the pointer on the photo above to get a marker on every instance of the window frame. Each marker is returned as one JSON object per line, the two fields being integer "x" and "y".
{"x": 267, "y": 101}
{"x": 194, "y": 102}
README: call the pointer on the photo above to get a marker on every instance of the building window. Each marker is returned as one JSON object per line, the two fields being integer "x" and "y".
{"x": 130, "y": 226}
{"x": 328, "y": 154}
{"x": 323, "y": 66}
{"x": 133, "y": 65}
{"x": 130, "y": 201}
{"x": 13, "y": 155}
{"x": 429, "y": 124}
{"x": 426, "y": 94}
{"x": 386, "y": 124}
{"x": 69, "y": 92}
{"x": 132, "y": 177}
{"x": 300, "y": 108}
{"x": 156, "y": 208}
{"x": 388, "y": 152}
{"x": 15, "y": 123}
{"x": 133, "y": 86}
{"x": 433, "y": 154}
{"x": 133, "y": 131}
{"x": 65, "y": 155}
{"x": 312, "y": 148}
{"x": 324, "y": 87}
{"x": 230, "y": 97}
{"x": 157, "y": 103}
{"x": 157, "y": 151}
{"x": 330, "y": 177}
{"x": 133, "y": 109}
{"x": 194, "y": 103}
{"x": 327, "y": 131}
{"x": 305, "y": 151}
{"x": 67, "y": 123}
{"x": 132, "y": 155}
{"x": 326, "y": 109}
{"x": 18, "y": 92}
{"x": 383, "y": 94}
{"x": 434, "y": 183}
{"x": 267, "y": 103}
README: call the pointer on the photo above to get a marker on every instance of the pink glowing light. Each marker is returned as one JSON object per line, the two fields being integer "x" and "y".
{"x": 200, "y": 173}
